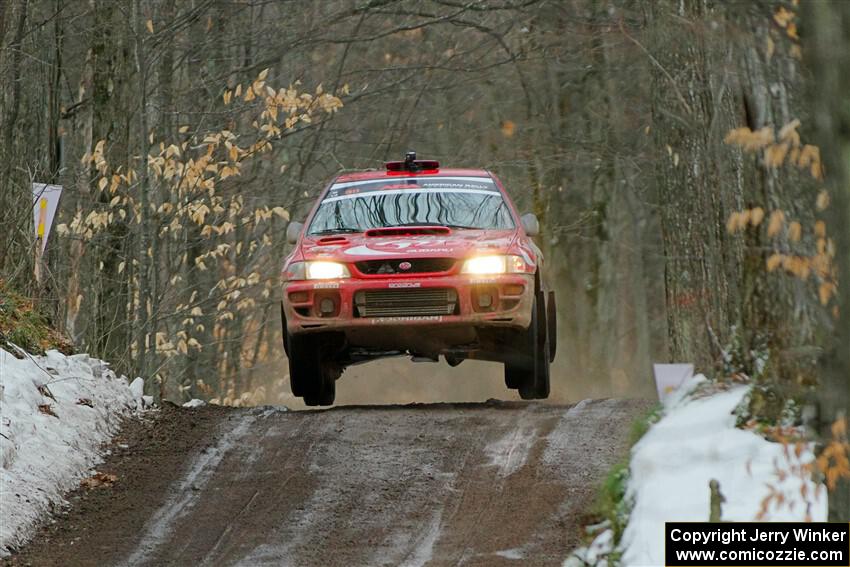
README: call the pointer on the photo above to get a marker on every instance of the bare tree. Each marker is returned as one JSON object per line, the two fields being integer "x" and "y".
{"x": 827, "y": 52}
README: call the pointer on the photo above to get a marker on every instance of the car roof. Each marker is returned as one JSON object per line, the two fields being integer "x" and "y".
{"x": 384, "y": 174}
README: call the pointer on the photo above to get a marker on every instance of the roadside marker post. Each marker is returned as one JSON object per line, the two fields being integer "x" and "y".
{"x": 45, "y": 199}
{"x": 669, "y": 377}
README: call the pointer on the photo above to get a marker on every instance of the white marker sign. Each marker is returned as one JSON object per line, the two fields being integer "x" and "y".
{"x": 45, "y": 201}
{"x": 669, "y": 377}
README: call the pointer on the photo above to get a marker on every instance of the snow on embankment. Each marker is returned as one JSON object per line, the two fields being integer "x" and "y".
{"x": 55, "y": 413}
{"x": 670, "y": 468}
{"x": 697, "y": 441}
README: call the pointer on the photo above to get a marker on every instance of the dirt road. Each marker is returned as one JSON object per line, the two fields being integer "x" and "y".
{"x": 447, "y": 484}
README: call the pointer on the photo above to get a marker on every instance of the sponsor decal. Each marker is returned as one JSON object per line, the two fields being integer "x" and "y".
{"x": 364, "y": 193}
{"x": 406, "y": 246}
{"x": 366, "y": 251}
{"x": 404, "y": 284}
{"x": 326, "y": 285}
{"x": 415, "y": 242}
{"x": 413, "y": 319}
{"x": 420, "y": 183}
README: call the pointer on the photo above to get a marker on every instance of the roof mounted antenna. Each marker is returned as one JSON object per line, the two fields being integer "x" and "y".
{"x": 410, "y": 161}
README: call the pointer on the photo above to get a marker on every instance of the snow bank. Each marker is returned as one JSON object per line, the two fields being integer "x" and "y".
{"x": 47, "y": 445}
{"x": 694, "y": 442}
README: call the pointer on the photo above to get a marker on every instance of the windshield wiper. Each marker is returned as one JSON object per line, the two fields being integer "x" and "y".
{"x": 337, "y": 230}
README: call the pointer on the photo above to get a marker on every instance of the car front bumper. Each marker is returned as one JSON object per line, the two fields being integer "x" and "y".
{"x": 356, "y": 304}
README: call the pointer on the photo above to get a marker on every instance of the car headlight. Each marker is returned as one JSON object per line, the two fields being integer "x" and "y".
{"x": 501, "y": 264}
{"x": 316, "y": 270}
{"x": 326, "y": 270}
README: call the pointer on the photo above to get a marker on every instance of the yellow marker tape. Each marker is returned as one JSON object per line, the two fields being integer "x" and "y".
{"x": 42, "y": 217}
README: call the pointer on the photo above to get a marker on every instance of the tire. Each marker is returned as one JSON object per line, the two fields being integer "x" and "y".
{"x": 515, "y": 375}
{"x": 552, "y": 325}
{"x": 530, "y": 374}
{"x": 284, "y": 332}
{"x": 312, "y": 374}
{"x": 538, "y": 387}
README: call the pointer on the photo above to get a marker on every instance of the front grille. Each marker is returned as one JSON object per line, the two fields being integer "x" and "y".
{"x": 405, "y": 302}
{"x": 417, "y": 266}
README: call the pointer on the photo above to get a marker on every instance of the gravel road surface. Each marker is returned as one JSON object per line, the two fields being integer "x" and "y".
{"x": 500, "y": 483}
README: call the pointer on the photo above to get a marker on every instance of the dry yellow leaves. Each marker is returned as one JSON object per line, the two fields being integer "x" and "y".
{"x": 788, "y": 148}
{"x": 825, "y": 291}
{"x": 774, "y": 154}
{"x": 739, "y": 220}
{"x": 795, "y": 231}
{"x": 733, "y": 224}
{"x": 782, "y": 16}
{"x": 788, "y": 133}
{"x": 747, "y": 139}
{"x": 774, "y": 261}
{"x": 775, "y": 224}
{"x": 791, "y": 30}
{"x": 99, "y": 479}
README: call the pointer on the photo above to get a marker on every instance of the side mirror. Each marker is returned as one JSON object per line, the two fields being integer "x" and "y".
{"x": 530, "y": 224}
{"x": 293, "y": 231}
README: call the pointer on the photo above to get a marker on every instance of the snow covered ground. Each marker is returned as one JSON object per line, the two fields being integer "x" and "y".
{"x": 56, "y": 411}
{"x": 671, "y": 466}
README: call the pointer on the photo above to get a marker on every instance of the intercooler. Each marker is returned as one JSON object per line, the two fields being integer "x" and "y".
{"x": 405, "y": 302}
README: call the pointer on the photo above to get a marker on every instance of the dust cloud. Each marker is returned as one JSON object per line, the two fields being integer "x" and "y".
{"x": 400, "y": 381}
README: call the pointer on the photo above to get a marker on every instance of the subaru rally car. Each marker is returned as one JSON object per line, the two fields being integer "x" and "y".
{"x": 421, "y": 261}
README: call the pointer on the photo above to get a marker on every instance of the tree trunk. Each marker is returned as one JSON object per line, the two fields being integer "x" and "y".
{"x": 696, "y": 184}
{"x": 827, "y": 51}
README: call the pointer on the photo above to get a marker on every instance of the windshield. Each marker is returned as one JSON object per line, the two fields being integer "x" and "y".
{"x": 456, "y": 202}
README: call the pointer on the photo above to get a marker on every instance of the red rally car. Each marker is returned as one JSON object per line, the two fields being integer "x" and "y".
{"x": 421, "y": 261}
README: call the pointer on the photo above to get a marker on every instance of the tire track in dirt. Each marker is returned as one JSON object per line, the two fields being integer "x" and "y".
{"x": 438, "y": 484}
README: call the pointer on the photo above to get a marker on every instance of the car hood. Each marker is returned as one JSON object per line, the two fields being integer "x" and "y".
{"x": 455, "y": 244}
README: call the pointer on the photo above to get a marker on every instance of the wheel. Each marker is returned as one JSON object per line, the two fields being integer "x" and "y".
{"x": 538, "y": 387}
{"x": 312, "y": 373}
{"x": 284, "y": 332}
{"x": 303, "y": 363}
{"x": 552, "y": 325}
{"x": 514, "y": 375}
{"x": 519, "y": 370}
{"x": 530, "y": 374}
